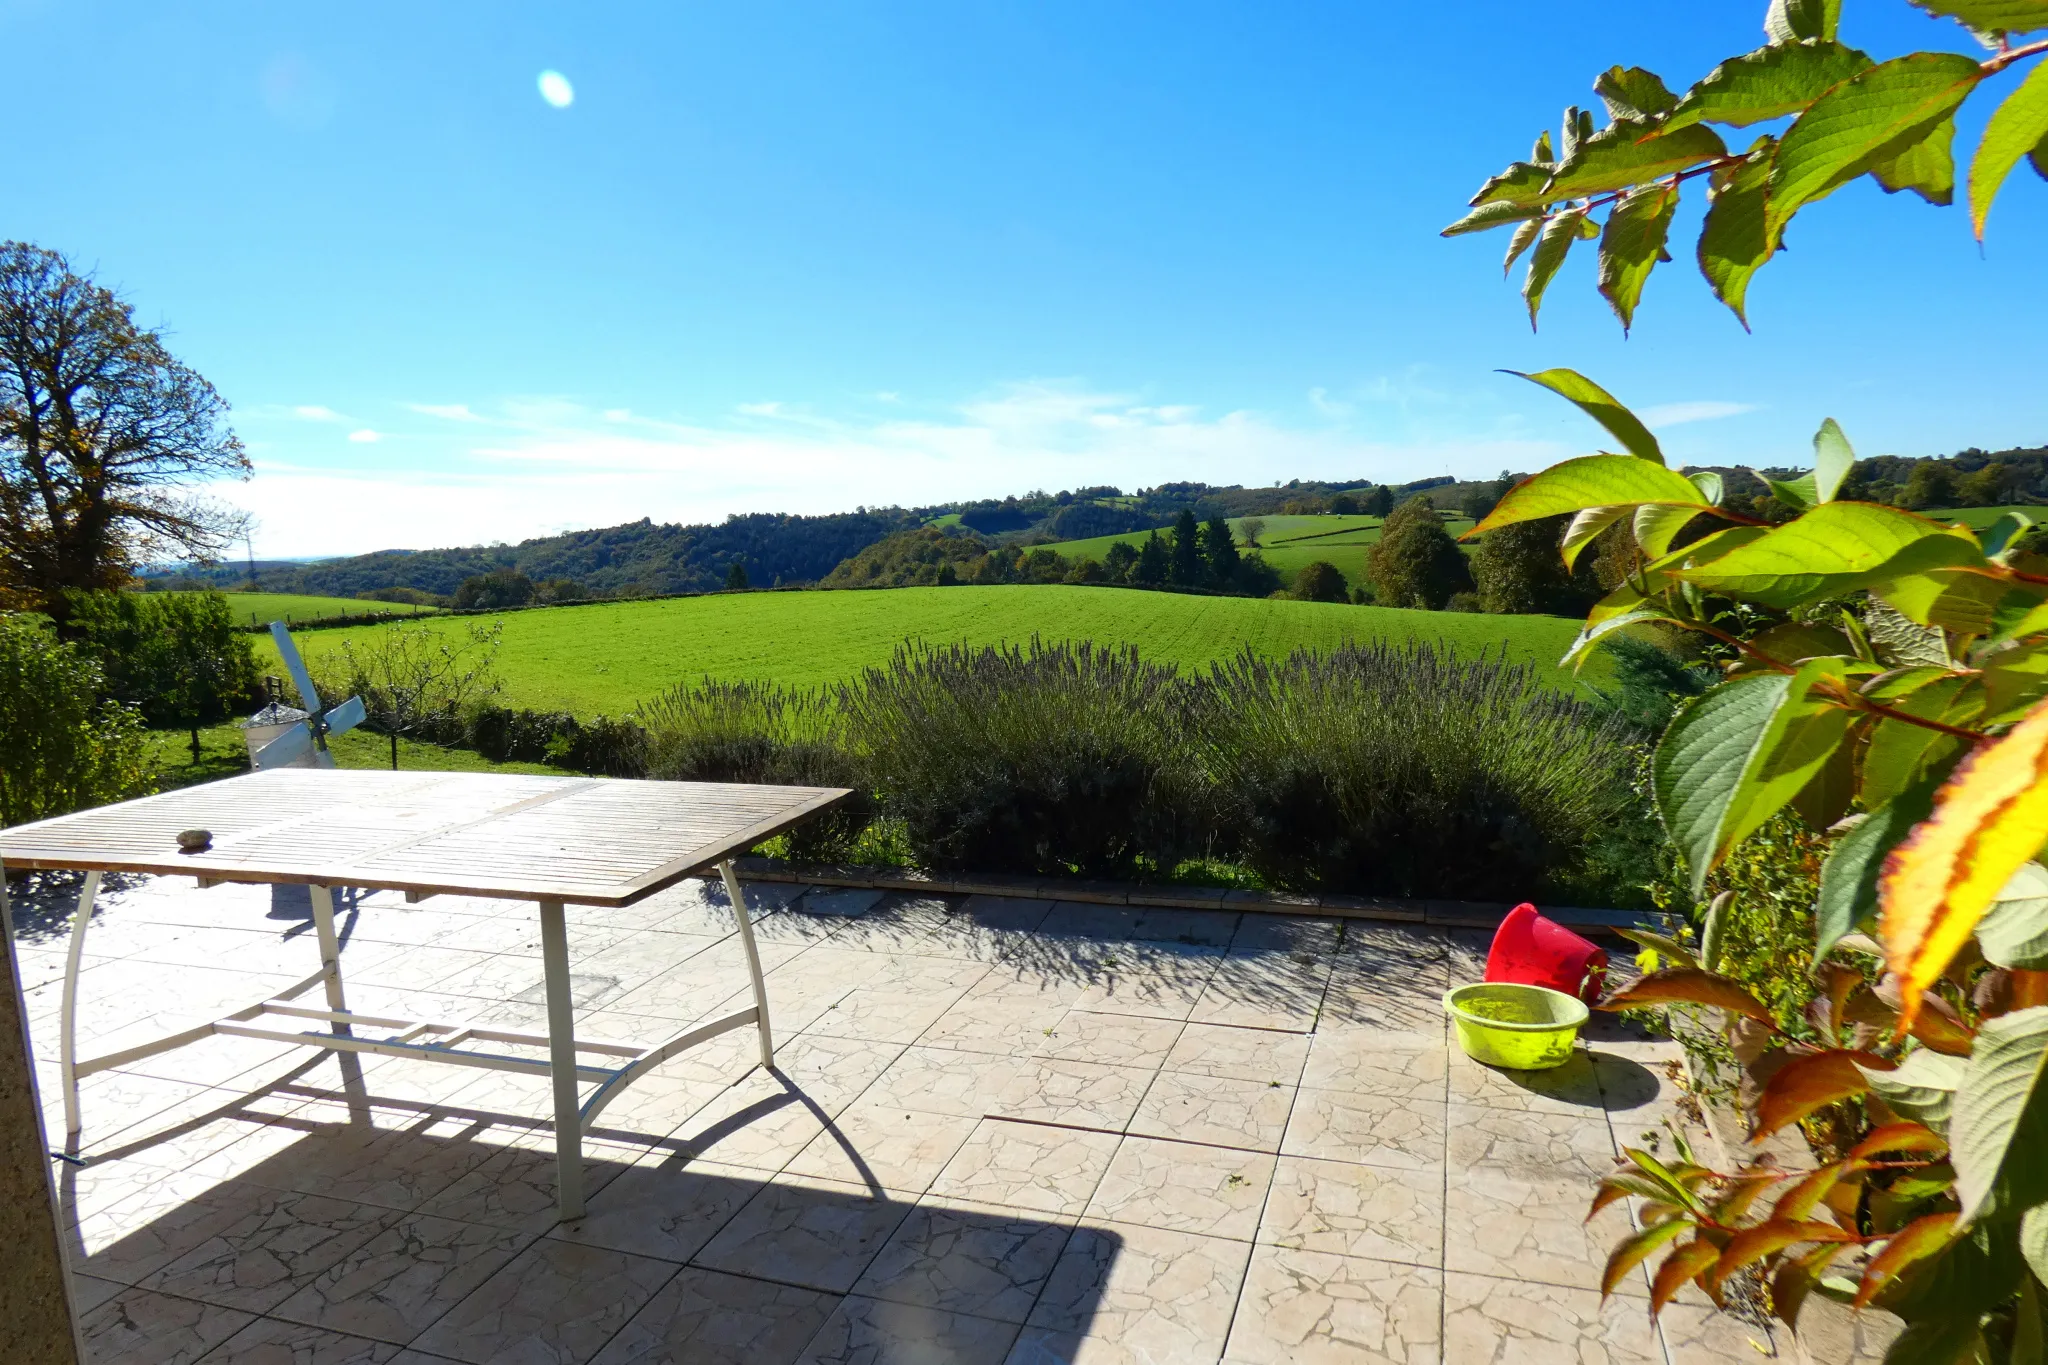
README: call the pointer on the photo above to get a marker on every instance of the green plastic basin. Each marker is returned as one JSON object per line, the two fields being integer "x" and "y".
{"x": 1522, "y": 1028}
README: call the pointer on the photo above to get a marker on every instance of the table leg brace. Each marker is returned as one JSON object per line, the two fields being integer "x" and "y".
{"x": 67, "y": 1043}
{"x": 554, "y": 953}
{"x": 739, "y": 913}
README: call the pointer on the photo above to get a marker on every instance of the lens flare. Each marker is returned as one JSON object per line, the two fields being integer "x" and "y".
{"x": 556, "y": 90}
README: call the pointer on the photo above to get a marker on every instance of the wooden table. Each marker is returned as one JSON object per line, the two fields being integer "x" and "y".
{"x": 557, "y": 841}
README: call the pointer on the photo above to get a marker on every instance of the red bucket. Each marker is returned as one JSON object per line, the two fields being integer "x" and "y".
{"x": 1533, "y": 951}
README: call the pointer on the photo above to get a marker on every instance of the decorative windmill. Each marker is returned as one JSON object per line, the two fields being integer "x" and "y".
{"x": 307, "y": 734}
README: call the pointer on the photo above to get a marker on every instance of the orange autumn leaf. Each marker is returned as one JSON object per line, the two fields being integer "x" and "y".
{"x": 1990, "y": 817}
{"x": 1809, "y": 1082}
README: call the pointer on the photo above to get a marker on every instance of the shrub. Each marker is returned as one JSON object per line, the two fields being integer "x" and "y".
{"x": 177, "y": 657}
{"x": 62, "y": 748}
{"x": 1053, "y": 758}
{"x": 1321, "y": 581}
{"x": 494, "y": 591}
{"x": 1379, "y": 501}
{"x": 1464, "y": 601}
{"x": 1415, "y": 563}
{"x": 758, "y": 732}
{"x": 1403, "y": 770}
{"x": 413, "y": 678}
{"x": 1344, "y": 505}
{"x": 1520, "y": 572}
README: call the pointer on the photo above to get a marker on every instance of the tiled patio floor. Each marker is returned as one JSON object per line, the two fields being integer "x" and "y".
{"x": 1003, "y": 1131}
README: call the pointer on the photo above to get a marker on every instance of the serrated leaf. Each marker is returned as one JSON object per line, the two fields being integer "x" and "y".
{"x": 1992, "y": 16}
{"x": 2015, "y": 932}
{"x": 1799, "y": 494}
{"x": 1925, "y": 165}
{"x": 1999, "y": 1127}
{"x": 1765, "y": 1239}
{"x": 1805, "y": 1195}
{"x": 1688, "y": 986}
{"x": 1735, "y": 240}
{"x": 1833, "y": 458}
{"x": 1709, "y": 484}
{"x": 1524, "y": 238}
{"x": 1636, "y": 1248}
{"x": 1521, "y": 183}
{"x": 1788, "y": 21}
{"x": 1629, "y": 92}
{"x": 1585, "y": 528}
{"x": 1905, "y": 642}
{"x": 1768, "y": 83}
{"x": 1714, "y": 929}
{"x": 1795, "y": 1280}
{"x": 1589, "y": 481}
{"x": 1493, "y": 216}
{"x": 1849, "y": 877}
{"x": 1683, "y": 1265}
{"x": 1916, "y": 1241}
{"x": 1989, "y": 818}
{"x": 1899, "y": 1137}
{"x": 1835, "y": 548}
{"x": 1604, "y": 408}
{"x": 1553, "y": 244}
{"x": 1632, "y": 244}
{"x": 1870, "y": 117}
{"x": 1674, "y": 953}
{"x": 1921, "y": 1088}
{"x": 1656, "y": 527}
{"x": 1632, "y": 152}
{"x": 1900, "y": 754}
{"x": 2017, "y": 126}
{"x": 1809, "y": 1082}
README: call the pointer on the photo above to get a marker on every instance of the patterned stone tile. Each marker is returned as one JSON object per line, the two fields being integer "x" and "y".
{"x": 760, "y": 1123}
{"x": 278, "y": 1245}
{"x": 140, "y": 1327}
{"x": 1295, "y": 936}
{"x": 1531, "y": 1144}
{"x": 1376, "y": 1063}
{"x": 400, "y": 1281}
{"x": 887, "y": 1016}
{"x": 1572, "y": 1089}
{"x": 705, "y": 1318}
{"x": 554, "y": 1301}
{"x": 1184, "y": 1187}
{"x": 1201, "y": 928}
{"x": 1377, "y": 1130}
{"x": 1411, "y": 1003}
{"x": 1130, "y": 1295}
{"x": 849, "y": 903}
{"x": 938, "y": 1080}
{"x": 817, "y": 1233}
{"x": 665, "y": 1206}
{"x": 516, "y": 1188}
{"x": 1111, "y": 1039}
{"x": 1157, "y": 986}
{"x": 367, "y": 1165}
{"x": 1027, "y": 1166}
{"x": 1085, "y": 1094}
{"x": 89, "y": 1292}
{"x": 967, "y": 1258}
{"x": 1314, "y": 1308}
{"x": 833, "y": 1071}
{"x": 1388, "y": 949}
{"x": 1378, "y": 1212}
{"x": 268, "y": 1342}
{"x": 1215, "y": 1109}
{"x": 863, "y": 1330}
{"x": 1495, "y": 1322}
{"x": 1496, "y": 1223}
{"x": 1244, "y": 1054}
{"x": 129, "y": 1239}
{"x": 881, "y": 1144}
{"x": 1008, "y": 1025}
{"x": 1702, "y": 1336}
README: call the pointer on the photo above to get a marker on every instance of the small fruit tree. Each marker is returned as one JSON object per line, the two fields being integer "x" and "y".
{"x": 1889, "y": 681}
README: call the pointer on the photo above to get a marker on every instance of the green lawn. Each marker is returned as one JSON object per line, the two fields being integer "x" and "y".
{"x": 606, "y": 657}
{"x": 223, "y": 753}
{"x": 1977, "y": 518}
{"x": 261, "y": 608}
{"x": 1289, "y": 543}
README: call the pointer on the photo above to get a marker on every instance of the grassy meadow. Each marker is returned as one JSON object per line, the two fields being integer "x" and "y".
{"x": 261, "y": 608}
{"x": 1289, "y": 543}
{"x": 607, "y": 657}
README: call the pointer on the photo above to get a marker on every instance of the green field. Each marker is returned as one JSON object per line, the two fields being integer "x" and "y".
{"x": 223, "y": 752}
{"x": 261, "y": 608}
{"x": 1977, "y": 518}
{"x": 606, "y": 657}
{"x": 1289, "y": 543}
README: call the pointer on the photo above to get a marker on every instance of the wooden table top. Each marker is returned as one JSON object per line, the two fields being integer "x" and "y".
{"x": 583, "y": 840}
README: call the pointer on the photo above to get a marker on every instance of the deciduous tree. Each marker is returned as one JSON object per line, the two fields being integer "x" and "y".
{"x": 1415, "y": 563}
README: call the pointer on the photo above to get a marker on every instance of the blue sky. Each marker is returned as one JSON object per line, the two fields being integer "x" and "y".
{"x": 798, "y": 257}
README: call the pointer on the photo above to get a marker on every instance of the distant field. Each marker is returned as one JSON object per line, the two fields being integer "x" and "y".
{"x": 1290, "y": 544}
{"x": 607, "y": 657}
{"x": 261, "y": 608}
{"x": 1977, "y": 518}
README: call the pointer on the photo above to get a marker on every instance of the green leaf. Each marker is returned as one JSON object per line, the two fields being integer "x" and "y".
{"x": 2015, "y": 931}
{"x": 1604, "y": 408}
{"x": 1791, "y": 20}
{"x": 1901, "y": 754}
{"x": 1492, "y": 216}
{"x": 1799, "y": 494}
{"x": 1630, "y": 92}
{"x": 1940, "y": 1341}
{"x": 2014, "y": 679}
{"x": 1589, "y": 481}
{"x": 1870, "y": 117}
{"x": 1999, "y": 1128}
{"x": 1834, "y": 548}
{"x": 1632, "y": 245}
{"x": 1656, "y": 527}
{"x": 1833, "y": 458}
{"x": 1709, "y": 484}
{"x": 1713, "y": 929}
{"x": 1768, "y": 83}
{"x": 1524, "y": 238}
{"x": 1922, "y": 1089}
{"x": 1997, "y": 538}
{"x": 1926, "y": 166}
{"x": 1630, "y": 152}
{"x": 1735, "y": 240}
{"x": 1734, "y": 757}
{"x": 1521, "y": 183}
{"x": 2017, "y": 127}
{"x": 2034, "y": 1241}
{"x": 1552, "y": 245}
{"x": 1992, "y": 16}
{"x": 1585, "y": 528}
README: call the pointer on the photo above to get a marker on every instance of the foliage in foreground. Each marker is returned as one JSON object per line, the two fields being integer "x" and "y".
{"x": 61, "y": 747}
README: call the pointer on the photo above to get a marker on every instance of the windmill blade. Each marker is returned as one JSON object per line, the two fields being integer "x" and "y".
{"x": 322, "y": 758}
{"x": 294, "y": 665}
{"x": 287, "y": 747}
{"x": 346, "y": 716}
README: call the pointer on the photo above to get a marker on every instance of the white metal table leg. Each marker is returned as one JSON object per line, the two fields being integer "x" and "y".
{"x": 67, "y": 1042}
{"x": 330, "y": 948}
{"x": 554, "y": 953}
{"x": 739, "y": 913}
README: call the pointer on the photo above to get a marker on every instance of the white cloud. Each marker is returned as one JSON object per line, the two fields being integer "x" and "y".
{"x": 546, "y": 463}
{"x": 1319, "y": 399}
{"x": 314, "y": 412}
{"x": 761, "y": 409}
{"x": 618, "y": 414}
{"x": 449, "y": 412}
{"x": 1702, "y": 410}
{"x": 365, "y": 437}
